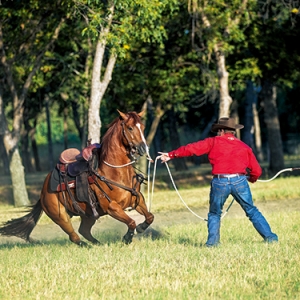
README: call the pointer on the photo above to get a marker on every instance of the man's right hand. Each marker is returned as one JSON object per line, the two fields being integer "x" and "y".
{"x": 164, "y": 157}
{"x": 252, "y": 179}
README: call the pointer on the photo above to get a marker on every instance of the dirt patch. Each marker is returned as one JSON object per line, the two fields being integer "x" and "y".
{"x": 51, "y": 232}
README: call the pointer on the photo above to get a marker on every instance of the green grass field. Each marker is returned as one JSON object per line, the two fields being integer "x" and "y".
{"x": 171, "y": 265}
{"x": 169, "y": 261}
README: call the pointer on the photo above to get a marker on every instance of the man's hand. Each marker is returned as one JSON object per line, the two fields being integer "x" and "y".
{"x": 252, "y": 179}
{"x": 164, "y": 157}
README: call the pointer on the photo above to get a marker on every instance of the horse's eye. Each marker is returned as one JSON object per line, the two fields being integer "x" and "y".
{"x": 130, "y": 128}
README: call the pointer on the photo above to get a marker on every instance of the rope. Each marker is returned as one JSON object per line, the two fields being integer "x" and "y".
{"x": 284, "y": 170}
{"x": 174, "y": 185}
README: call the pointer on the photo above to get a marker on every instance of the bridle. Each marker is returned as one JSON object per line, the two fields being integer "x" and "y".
{"x": 131, "y": 145}
{"x": 132, "y": 152}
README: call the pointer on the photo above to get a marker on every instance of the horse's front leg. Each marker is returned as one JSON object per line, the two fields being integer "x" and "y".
{"x": 143, "y": 210}
{"x": 116, "y": 211}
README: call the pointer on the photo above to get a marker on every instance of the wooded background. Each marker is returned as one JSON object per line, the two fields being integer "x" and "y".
{"x": 67, "y": 66}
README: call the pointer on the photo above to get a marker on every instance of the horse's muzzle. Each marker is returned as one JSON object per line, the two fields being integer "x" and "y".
{"x": 141, "y": 149}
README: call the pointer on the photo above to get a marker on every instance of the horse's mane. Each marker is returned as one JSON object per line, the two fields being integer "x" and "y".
{"x": 114, "y": 133}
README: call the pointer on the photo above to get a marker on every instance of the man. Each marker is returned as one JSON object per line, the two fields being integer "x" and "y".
{"x": 233, "y": 163}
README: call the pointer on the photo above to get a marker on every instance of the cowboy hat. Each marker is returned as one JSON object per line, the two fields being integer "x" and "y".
{"x": 226, "y": 123}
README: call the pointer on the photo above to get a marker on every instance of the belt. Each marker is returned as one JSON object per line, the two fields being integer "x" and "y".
{"x": 228, "y": 175}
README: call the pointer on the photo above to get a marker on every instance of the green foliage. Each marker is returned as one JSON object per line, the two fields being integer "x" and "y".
{"x": 133, "y": 21}
{"x": 168, "y": 72}
{"x": 57, "y": 128}
{"x": 271, "y": 42}
{"x": 155, "y": 55}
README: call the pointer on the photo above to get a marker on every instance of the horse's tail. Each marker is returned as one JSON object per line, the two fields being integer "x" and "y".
{"x": 22, "y": 227}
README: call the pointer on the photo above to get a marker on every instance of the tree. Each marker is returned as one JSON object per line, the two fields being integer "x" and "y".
{"x": 164, "y": 75}
{"x": 24, "y": 41}
{"x": 216, "y": 26}
{"x": 115, "y": 26}
{"x": 271, "y": 37}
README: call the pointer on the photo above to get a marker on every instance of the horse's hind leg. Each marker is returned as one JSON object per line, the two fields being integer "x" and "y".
{"x": 85, "y": 229}
{"x": 57, "y": 212}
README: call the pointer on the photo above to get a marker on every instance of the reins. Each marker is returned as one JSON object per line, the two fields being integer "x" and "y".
{"x": 174, "y": 185}
{"x": 121, "y": 166}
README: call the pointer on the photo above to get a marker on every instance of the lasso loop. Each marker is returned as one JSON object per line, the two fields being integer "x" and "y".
{"x": 174, "y": 185}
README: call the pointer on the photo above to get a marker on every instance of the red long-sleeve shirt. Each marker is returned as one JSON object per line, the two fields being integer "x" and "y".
{"x": 227, "y": 155}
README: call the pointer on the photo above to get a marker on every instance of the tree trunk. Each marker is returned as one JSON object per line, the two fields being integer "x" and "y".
{"x": 4, "y": 157}
{"x": 25, "y": 147}
{"x": 49, "y": 135}
{"x": 235, "y": 114}
{"x": 12, "y": 138}
{"x": 99, "y": 84}
{"x": 257, "y": 133}
{"x": 158, "y": 113}
{"x": 25, "y": 150}
{"x": 80, "y": 126}
{"x": 199, "y": 9}
{"x": 18, "y": 179}
{"x": 225, "y": 99}
{"x": 35, "y": 148}
{"x": 143, "y": 162}
{"x": 179, "y": 164}
{"x": 65, "y": 126}
{"x": 276, "y": 160}
{"x": 248, "y": 122}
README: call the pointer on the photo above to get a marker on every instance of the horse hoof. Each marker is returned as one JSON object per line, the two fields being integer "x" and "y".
{"x": 96, "y": 242}
{"x": 126, "y": 241}
{"x": 141, "y": 227}
{"x": 127, "y": 238}
{"x": 82, "y": 244}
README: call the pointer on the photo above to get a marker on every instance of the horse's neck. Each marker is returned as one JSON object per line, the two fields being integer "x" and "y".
{"x": 117, "y": 156}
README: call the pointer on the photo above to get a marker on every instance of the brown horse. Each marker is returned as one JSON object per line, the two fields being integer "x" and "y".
{"x": 115, "y": 186}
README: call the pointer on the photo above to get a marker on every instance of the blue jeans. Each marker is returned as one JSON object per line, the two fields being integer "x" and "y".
{"x": 238, "y": 187}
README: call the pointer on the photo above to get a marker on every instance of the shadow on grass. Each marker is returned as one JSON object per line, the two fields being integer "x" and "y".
{"x": 23, "y": 245}
{"x": 104, "y": 238}
{"x": 153, "y": 234}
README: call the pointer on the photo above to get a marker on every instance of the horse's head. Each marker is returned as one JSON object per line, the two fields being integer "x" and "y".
{"x": 133, "y": 132}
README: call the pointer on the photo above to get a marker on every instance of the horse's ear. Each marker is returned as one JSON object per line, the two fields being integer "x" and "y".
{"x": 123, "y": 116}
{"x": 142, "y": 113}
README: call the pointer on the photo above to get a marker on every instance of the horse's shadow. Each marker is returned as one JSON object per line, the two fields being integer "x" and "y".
{"x": 153, "y": 234}
{"x": 109, "y": 237}
{"x": 23, "y": 245}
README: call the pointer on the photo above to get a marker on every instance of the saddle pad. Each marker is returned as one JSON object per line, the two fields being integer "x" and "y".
{"x": 56, "y": 181}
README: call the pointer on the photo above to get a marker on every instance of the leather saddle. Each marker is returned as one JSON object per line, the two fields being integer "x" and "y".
{"x": 73, "y": 171}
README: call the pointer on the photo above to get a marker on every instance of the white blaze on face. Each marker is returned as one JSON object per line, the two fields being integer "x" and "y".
{"x": 138, "y": 125}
